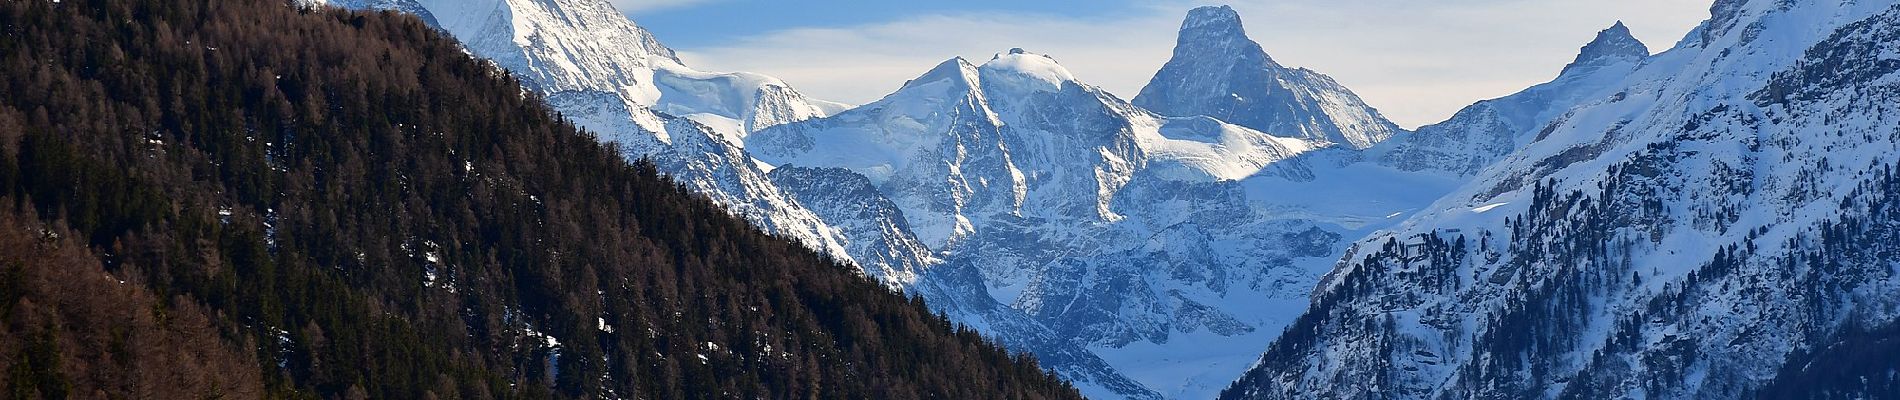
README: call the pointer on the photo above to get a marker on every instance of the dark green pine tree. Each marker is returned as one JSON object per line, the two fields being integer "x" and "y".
{"x": 250, "y": 199}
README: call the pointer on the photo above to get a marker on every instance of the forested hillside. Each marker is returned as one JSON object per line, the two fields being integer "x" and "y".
{"x": 246, "y": 199}
{"x": 1720, "y": 224}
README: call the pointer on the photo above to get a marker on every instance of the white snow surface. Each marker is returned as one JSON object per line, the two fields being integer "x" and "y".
{"x": 615, "y": 79}
{"x": 1479, "y": 135}
{"x": 1218, "y": 71}
{"x": 1171, "y": 247}
{"x": 1744, "y": 135}
{"x": 1138, "y": 253}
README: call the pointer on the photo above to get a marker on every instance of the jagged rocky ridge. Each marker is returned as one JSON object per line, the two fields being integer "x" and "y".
{"x": 1150, "y": 241}
{"x": 1019, "y": 202}
{"x": 615, "y": 79}
{"x": 1719, "y": 225}
{"x": 608, "y": 75}
{"x": 1024, "y": 178}
{"x": 1477, "y": 136}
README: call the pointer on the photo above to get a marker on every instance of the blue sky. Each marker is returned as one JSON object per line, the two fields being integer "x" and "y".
{"x": 1417, "y": 61}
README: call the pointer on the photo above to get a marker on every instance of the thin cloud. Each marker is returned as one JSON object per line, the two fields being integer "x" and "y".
{"x": 1416, "y": 62}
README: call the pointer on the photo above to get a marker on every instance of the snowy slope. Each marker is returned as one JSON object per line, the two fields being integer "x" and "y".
{"x": 1138, "y": 254}
{"x": 1217, "y": 71}
{"x": 585, "y": 45}
{"x": 1714, "y": 226}
{"x": 1482, "y": 133}
{"x": 960, "y": 188}
{"x": 1162, "y": 245}
{"x": 874, "y": 229}
{"x": 1017, "y": 136}
{"x": 615, "y": 79}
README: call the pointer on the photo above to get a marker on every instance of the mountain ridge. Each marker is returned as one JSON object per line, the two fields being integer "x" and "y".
{"x": 1045, "y": 186}
{"x": 1478, "y": 135}
{"x": 1217, "y": 71}
{"x": 1035, "y": 207}
{"x": 1656, "y": 235}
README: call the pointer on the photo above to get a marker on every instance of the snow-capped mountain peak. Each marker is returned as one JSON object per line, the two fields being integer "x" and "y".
{"x": 617, "y": 80}
{"x": 1482, "y": 133}
{"x": 1034, "y": 182}
{"x": 1216, "y": 27}
{"x": 1217, "y": 71}
{"x": 558, "y": 46}
{"x": 1016, "y": 70}
{"x": 584, "y": 44}
{"x": 1019, "y": 68}
{"x": 956, "y": 70}
{"x": 1715, "y": 222}
{"x": 1612, "y": 45}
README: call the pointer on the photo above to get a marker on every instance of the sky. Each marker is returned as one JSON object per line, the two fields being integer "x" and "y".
{"x": 1416, "y": 61}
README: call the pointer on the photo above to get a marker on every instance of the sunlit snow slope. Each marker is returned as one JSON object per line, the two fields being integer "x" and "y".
{"x": 1718, "y": 224}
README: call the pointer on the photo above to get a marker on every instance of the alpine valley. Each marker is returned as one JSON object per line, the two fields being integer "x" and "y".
{"x": 1137, "y": 253}
{"x": 1711, "y": 221}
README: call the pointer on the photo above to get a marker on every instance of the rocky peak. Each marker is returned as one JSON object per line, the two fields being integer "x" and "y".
{"x": 1218, "y": 72}
{"x": 1612, "y": 45}
{"x": 1216, "y": 30}
{"x": 1722, "y": 16}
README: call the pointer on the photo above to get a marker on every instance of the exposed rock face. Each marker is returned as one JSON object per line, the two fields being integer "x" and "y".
{"x": 874, "y": 229}
{"x": 1611, "y": 46}
{"x": 1218, "y": 72}
{"x": 1138, "y": 237}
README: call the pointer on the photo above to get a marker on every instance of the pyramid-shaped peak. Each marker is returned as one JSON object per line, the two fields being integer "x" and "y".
{"x": 1613, "y": 44}
{"x": 1619, "y": 34}
{"x": 1216, "y": 31}
{"x": 1212, "y": 22}
{"x": 1217, "y": 71}
{"x": 956, "y": 70}
{"x": 1212, "y": 16}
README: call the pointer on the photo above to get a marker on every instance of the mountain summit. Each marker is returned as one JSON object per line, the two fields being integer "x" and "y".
{"x": 1038, "y": 191}
{"x": 615, "y": 79}
{"x": 1218, "y": 72}
{"x": 1612, "y": 45}
{"x": 1481, "y": 133}
{"x": 1216, "y": 26}
{"x": 1715, "y": 222}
